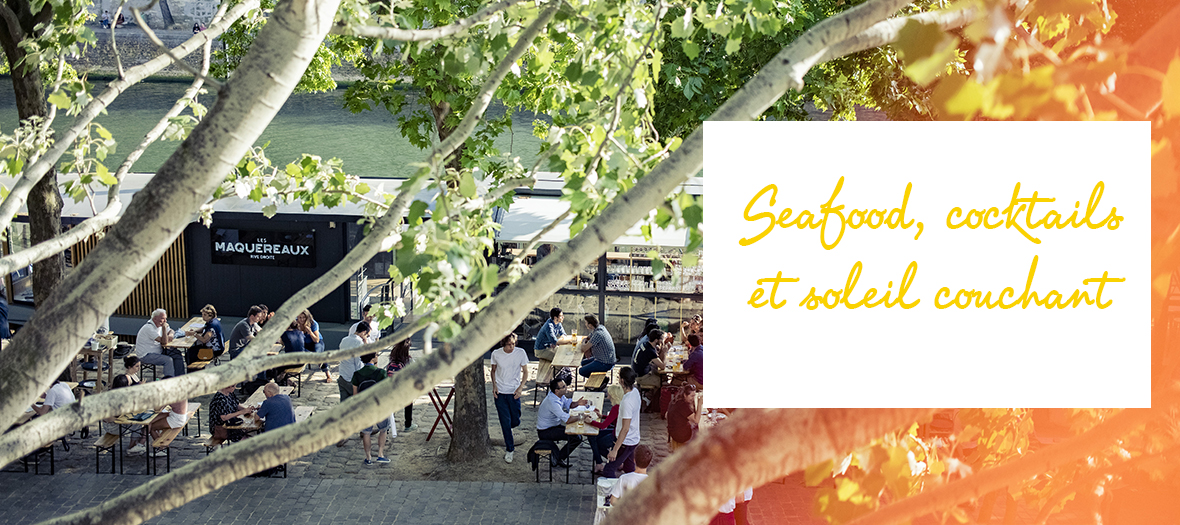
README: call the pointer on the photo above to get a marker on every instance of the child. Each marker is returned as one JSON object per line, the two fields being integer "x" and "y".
{"x": 629, "y": 480}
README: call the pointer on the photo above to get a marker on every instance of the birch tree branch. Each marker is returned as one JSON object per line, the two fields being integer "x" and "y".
{"x": 37, "y": 170}
{"x": 886, "y": 31}
{"x": 423, "y": 35}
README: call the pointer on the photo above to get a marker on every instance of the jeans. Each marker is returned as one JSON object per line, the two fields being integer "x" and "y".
{"x": 591, "y": 365}
{"x": 601, "y": 444}
{"x": 624, "y": 461}
{"x": 178, "y": 365}
{"x": 160, "y": 360}
{"x": 319, "y": 347}
{"x": 557, "y": 433}
{"x": 508, "y": 408}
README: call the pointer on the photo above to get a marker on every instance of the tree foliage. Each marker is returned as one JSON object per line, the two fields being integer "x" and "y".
{"x": 595, "y": 68}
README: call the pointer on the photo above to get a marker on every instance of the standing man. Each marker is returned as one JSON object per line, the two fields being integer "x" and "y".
{"x": 622, "y": 455}
{"x": 553, "y": 416}
{"x": 150, "y": 345}
{"x": 362, "y": 380}
{"x": 510, "y": 371}
{"x": 350, "y": 365}
{"x": 599, "y": 349}
{"x": 244, "y": 332}
{"x": 374, "y": 329}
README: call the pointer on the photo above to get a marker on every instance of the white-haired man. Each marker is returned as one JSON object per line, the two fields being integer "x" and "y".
{"x": 150, "y": 345}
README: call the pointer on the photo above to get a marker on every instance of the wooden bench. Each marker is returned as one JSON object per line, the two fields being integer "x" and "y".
{"x": 212, "y": 444}
{"x": 108, "y": 442}
{"x": 194, "y": 410}
{"x": 164, "y": 442}
{"x": 296, "y": 372}
{"x": 197, "y": 366}
{"x": 302, "y": 413}
{"x": 35, "y": 457}
{"x": 544, "y": 375}
{"x": 596, "y": 381}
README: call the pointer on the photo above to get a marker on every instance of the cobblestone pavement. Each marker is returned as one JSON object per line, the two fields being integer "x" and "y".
{"x": 298, "y": 501}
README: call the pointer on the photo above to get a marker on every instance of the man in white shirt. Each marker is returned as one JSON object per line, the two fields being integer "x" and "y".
{"x": 510, "y": 371}
{"x": 374, "y": 329}
{"x": 622, "y": 455}
{"x": 349, "y": 366}
{"x": 58, "y": 395}
{"x": 629, "y": 480}
{"x": 150, "y": 341}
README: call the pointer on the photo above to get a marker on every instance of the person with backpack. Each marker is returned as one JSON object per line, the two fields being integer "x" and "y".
{"x": 362, "y": 380}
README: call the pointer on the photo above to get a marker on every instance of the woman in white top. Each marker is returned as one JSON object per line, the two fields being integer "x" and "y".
{"x": 175, "y": 417}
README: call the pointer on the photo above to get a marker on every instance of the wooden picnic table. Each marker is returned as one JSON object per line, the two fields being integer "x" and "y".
{"x": 582, "y": 429}
{"x": 567, "y": 355}
{"x": 185, "y": 342}
{"x": 132, "y": 426}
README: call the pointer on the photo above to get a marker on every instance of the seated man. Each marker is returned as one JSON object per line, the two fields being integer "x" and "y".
{"x": 150, "y": 345}
{"x": 553, "y": 416}
{"x": 276, "y": 410}
{"x": 629, "y": 480}
{"x": 695, "y": 364}
{"x": 599, "y": 348}
{"x": 649, "y": 362}
{"x": 58, "y": 395}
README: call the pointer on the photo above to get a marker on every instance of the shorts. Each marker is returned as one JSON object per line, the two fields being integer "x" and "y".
{"x": 383, "y": 425}
{"x": 177, "y": 420}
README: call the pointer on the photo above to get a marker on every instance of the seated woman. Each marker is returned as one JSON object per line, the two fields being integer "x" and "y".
{"x": 170, "y": 418}
{"x": 312, "y": 340}
{"x": 224, "y": 410}
{"x": 601, "y": 444}
{"x": 210, "y": 336}
{"x": 130, "y": 376}
{"x": 683, "y": 416}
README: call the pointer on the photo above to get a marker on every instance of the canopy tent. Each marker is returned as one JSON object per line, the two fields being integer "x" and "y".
{"x": 527, "y": 217}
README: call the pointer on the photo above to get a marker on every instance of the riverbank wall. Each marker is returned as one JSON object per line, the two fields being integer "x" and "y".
{"x": 135, "y": 48}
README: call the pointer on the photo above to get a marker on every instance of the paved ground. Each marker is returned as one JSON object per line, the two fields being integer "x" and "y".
{"x": 298, "y": 501}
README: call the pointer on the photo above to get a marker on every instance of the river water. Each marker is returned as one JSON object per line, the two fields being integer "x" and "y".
{"x": 317, "y": 124}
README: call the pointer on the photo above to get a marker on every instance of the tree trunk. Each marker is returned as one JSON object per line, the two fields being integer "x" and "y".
{"x": 44, "y": 200}
{"x": 470, "y": 442}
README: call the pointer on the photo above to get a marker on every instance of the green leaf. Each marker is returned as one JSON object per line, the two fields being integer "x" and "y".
{"x": 104, "y": 175}
{"x": 59, "y": 99}
{"x": 926, "y": 49}
{"x": 467, "y": 185}
{"x": 691, "y": 49}
{"x": 573, "y": 72}
{"x": 682, "y": 27}
{"x": 490, "y": 279}
{"x": 657, "y": 268}
{"x": 417, "y": 211}
{"x": 958, "y": 96}
{"x": 362, "y": 188}
{"x": 690, "y": 260}
{"x": 733, "y": 45}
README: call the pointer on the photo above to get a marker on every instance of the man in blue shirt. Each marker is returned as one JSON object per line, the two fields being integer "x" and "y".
{"x": 276, "y": 410}
{"x": 550, "y": 335}
{"x": 552, "y": 417}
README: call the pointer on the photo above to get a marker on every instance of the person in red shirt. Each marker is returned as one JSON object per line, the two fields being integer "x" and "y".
{"x": 601, "y": 444}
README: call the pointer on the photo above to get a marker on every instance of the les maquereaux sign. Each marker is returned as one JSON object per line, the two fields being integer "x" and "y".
{"x": 263, "y": 248}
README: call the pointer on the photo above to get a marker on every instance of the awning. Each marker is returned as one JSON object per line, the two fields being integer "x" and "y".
{"x": 527, "y": 217}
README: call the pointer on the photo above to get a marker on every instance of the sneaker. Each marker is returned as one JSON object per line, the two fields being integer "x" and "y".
{"x": 508, "y": 457}
{"x": 411, "y": 428}
{"x": 383, "y": 459}
{"x": 136, "y": 450}
{"x": 368, "y": 462}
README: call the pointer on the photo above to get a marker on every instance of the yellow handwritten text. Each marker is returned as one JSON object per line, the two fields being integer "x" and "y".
{"x": 834, "y": 298}
{"x": 758, "y": 292}
{"x": 1018, "y": 215}
{"x": 965, "y": 298}
{"x": 805, "y": 219}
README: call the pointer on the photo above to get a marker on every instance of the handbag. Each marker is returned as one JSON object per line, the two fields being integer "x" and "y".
{"x": 220, "y": 433}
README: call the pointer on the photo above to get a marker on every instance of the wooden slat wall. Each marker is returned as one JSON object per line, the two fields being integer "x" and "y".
{"x": 165, "y": 285}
